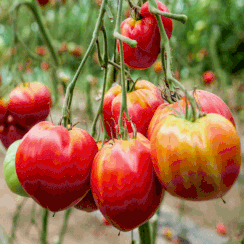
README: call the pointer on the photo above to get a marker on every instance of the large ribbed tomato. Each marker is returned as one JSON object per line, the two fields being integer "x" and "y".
{"x": 209, "y": 102}
{"x": 30, "y": 103}
{"x": 196, "y": 160}
{"x": 123, "y": 183}
{"x": 142, "y": 102}
{"x": 53, "y": 165}
{"x": 146, "y": 32}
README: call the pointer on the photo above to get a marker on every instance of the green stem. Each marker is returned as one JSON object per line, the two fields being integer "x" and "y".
{"x": 155, "y": 227}
{"x": 43, "y": 236}
{"x": 71, "y": 86}
{"x": 124, "y": 93}
{"x": 180, "y": 17}
{"x": 16, "y": 220}
{"x": 89, "y": 110}
{"x": 145, "y": 233}
{"x": 34, "y": 8}
{"x": 65, "y": 225}
{"x": 100, "y": 109}
{"x": 165, "y": 45}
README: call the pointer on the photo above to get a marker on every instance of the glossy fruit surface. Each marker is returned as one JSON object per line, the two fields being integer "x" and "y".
{"x": 10, "y": 172}
{"x": 196, "y": 160}
{"x": 87, "y": 203}
{"x": 208, "y": 77}
{"x": 53, "y": 165}
{"x": 124, "y": 184}
{"x": 142, "y": 102}
{"x": 146, "y": 32}
{"x": 30, "y": 103}
{"x": 167, "y": 22}
{"x": 43, "y": 2}
{"x": 209, "y": 103}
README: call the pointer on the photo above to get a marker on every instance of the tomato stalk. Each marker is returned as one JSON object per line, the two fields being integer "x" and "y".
{"x": 71, "y": 86}
{"x": 172, "y": 82}
{"x": 65, "y": 225}
{"x": 16, "y": 219}
{"x": 100, "y": 109}
{"x": 145, "y": 233}
{"x": 122, "y": 73}
{"x": 43, "y": 236}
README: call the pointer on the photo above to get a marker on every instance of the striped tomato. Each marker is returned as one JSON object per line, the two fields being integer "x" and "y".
{"x": 209, "y": 103}
{"x": 142, "y": 102}
{"x": 196, "y": 160}
{"x": 124, "y": 185}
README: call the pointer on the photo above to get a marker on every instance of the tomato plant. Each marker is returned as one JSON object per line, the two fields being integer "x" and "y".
{"x": 10, "y": 171}
{"x": 196, "y": 160}
{"x": 142, "y": 102}
{"x": 146, "y": 32}
{"x": 123, "y": 183}
{"x": 28, "y": 104}
{"x": 56, "y": 171}
{"x": 209, "y": 103}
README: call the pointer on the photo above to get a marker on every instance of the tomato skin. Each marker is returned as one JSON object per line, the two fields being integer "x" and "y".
{"x": 196, "y": 160}
{"x": 56, "y": 171}
{"x": 146, "y": 32}
{"x": 43, "y": 2}
{"x": 3, "y": 110}
{"x": 10, "y": 171}
{"x": 209, "y": 102}
{"x": 87, "y": 204}
{"x": 167, "y": 22}
{"x": 141, "y": 104}
{"x": 124, "y": 184}
{"x": 30, "y": 103}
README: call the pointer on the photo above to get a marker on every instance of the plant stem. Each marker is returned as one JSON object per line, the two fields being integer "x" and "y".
{"x": 43, "y": 235}
{"x": 180, "y": 17}
{"x": 100, "y": 109}
{"x": 71, "y": 86}
{"x": 145, "y": 233}
{"x": 165, "y": 45}
{"x": 16, "y": 219}
{"x": 65, "y": 225}
{"x": 124, "y": 93}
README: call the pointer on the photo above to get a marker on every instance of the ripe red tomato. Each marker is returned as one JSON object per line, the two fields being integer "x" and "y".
{"x": 124, "y": 184}
{"x": 209, "y": 102}
{"x": 43, "y": 2}
{"x": 196, "y": 160}
{"x": 146, "y": 32}
{"x": 53, "y": 165}
{"x": 208, "y": 77}
{"x": 3, "y": 110}
{"x": 221, "y": 229}
{"x": 87, "y": 203}
{"x": 141, "y": 103}
{"x": 30, "y": 103}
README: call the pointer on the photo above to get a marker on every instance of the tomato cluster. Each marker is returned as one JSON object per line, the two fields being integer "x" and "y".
{"x": 28, "y": 104}
{"x": 192, "y": 153}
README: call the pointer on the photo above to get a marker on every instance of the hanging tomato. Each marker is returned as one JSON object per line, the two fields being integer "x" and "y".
{"x": 53, "y": 165}
{"x": 142, "y": 102}
{"x": 123, "y": 183}
{"x": 196, "y": 160}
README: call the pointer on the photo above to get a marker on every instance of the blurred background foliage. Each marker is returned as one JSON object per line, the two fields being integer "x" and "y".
{"x": 211, "y": 40}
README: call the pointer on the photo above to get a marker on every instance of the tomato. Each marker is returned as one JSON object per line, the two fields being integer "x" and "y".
{"x": 87, "y": 203}
{"x": 56, "y": 171}
{"x": 142, "y": 102}
{"x": 3, "y": 110}
{"x": 196, "y": 160}
{"x": 43, "y": 2}
{"x": 146, "y": 32}
{"x": 30, "y": 103}
{"x": 10, "y": 131}
{"x": 10, "y": 172}
{"x": 209, "y": 102}
{"x": 123, "y": 183}
{"x": 208, "y": 77}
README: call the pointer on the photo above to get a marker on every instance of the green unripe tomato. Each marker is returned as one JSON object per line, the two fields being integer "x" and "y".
{"x": 10, "y": 172}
